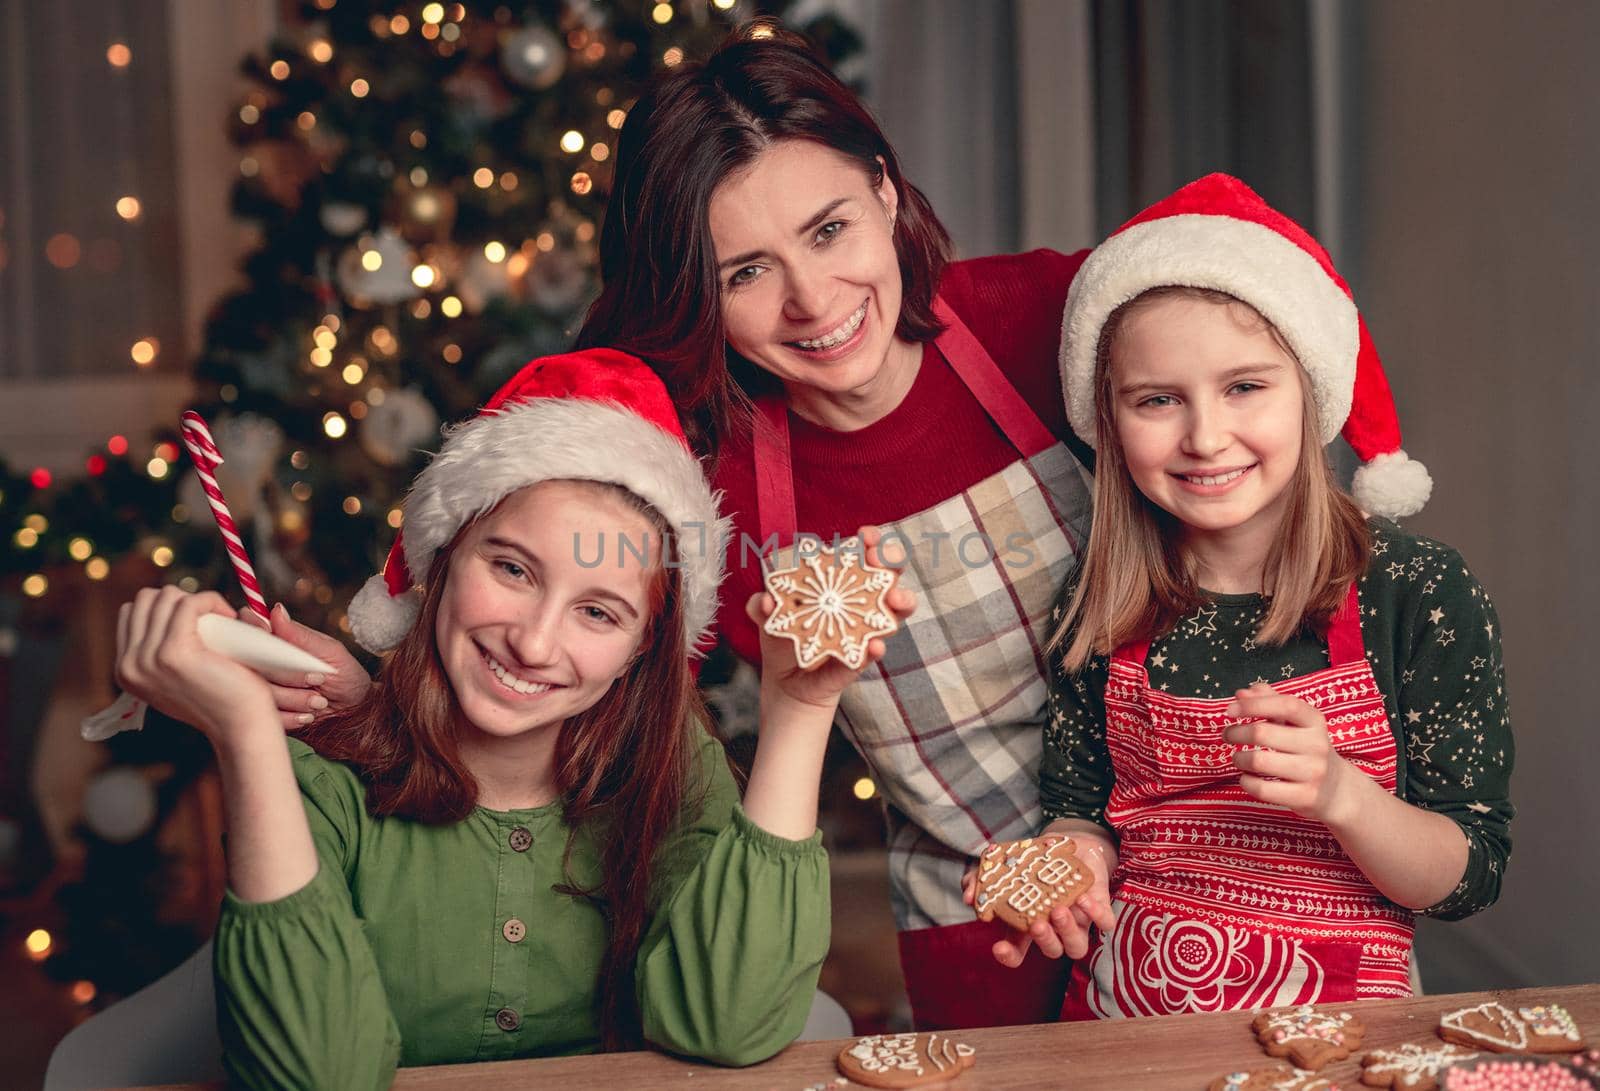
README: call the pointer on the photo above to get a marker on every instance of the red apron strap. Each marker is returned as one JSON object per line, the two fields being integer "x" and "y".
{"x": 1344, "y": 632}
{"x": 774, "y": 474}
{"x": 1134, "y": 652}
{"x": 989, "y": 385}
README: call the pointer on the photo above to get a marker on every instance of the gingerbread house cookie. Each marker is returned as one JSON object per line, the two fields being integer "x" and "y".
{"x": 1541, "y": 1028}
{"x": 1307, "y": 1037}
{"x": 1021, "y": 881}
{"x": 831, "y": 602}
{"x": 905, "y": 1060}
{"x": 1410, "y": 1067}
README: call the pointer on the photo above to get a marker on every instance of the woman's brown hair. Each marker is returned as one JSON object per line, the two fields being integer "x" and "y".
{"x": 699, "y": 124}
{"x": 625, "y": 768}
{"x": 1134, "y": 583}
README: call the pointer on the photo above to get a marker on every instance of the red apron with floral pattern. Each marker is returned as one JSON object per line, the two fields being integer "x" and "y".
{"x": 1224, "y": 902}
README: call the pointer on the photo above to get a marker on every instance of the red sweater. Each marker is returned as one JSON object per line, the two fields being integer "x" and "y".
{"x": 937, "y": 442}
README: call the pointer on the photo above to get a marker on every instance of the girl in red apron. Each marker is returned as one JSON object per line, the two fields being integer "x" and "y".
{"x": 1279, "y": 719}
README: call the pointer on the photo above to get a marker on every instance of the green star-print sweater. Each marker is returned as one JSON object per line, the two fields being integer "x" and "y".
{"x": 1433, "y": 640}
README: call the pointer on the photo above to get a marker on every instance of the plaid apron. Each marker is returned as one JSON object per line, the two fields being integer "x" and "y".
{"x": 1223, "y": 902}
{"x": 950, "y": 721}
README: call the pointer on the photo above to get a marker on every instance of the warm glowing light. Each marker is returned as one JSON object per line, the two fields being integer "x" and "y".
{"x": 371, "y": 261}
{"x": 301, "y": 491}
{"x": 321, "y": 357}
{"x": 180, "y": 513}
{"x": 672, "y": 57}
{"x": 451, "y": 353}
{"x": 864, "y": 788}
{"x": 517, "y": 267}
{"x": 249, "y": 114}
{"x": 761, "y": 32}
{"x": 419, "y": 139}
{"x": 117, "y": 445}
{"x": 723, "y": 5}
{"x": 509, "y": 181}
{"x": 421, "y": 308}
{"x": 26, "y": 538}
{"x": 585, "y": 231}
{"x": 320, "y": 51}
{"x": 352, "y": 505}
{"x": 144, "y": 351}
{"x": 399, "y": 24}
{"x": 449, "y": 32}
{"x": 599, "y": 152}
{"x": 450, "y": 307}
{"x": 63, "y": 250}
{"x": 324, "y": 337}
{"x": 190, "y": 584}
{"x": 495, "y": 251}
{"x": 40, "y": 479}
{"x": 358, "y": 410}
{"x": 299, "y": 460}
{"x": 157, "y": 467}
{"x": 546, "y": 242}
{"x": 95, "y": 464}
{"x": 119, "y": 55}
{"x": 582, "y": 183}
{"x": 35, "y": 586}
{"x": 359, "y": 88}
{"x": 279, "y": 70}
{"x": 661, "y": 13}
{"x": 429, "y": 31}
{"x": 423, "y": 276}
{"x": 168, "y": 451}
{"x": 616, "y": 117}
{"x": 36, "y": 523}
{"x": 433, "y": 13}
{"x": 249, "y": 167}
{"x": 334, "y": 425}
{"x": 79, "y": 549}
{"x": 97, "y": 568}
{"x": 128, "y": 208}
{"x": 353, "y": 373}
{"x": 83, "y": 991}
{"x": 306, "y": 121}
{"x": 162, "y": 556}
{"x": 396, "y": 517}
{"x": 483, "y": 177}
{"x": 375, "y": 395}
{"x": 572, "y": 141}
{"x": 38, "y": 944}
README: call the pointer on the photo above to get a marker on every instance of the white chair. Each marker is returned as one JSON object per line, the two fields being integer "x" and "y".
{"x": 167, "y": 1033}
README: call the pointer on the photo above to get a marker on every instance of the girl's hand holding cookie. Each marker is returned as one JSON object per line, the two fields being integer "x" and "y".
{"x": 1289, "y": 760}
{"x": 162, "y": 660}
{"x": 821, "y": 684}
{"x": 1066, "y": 929}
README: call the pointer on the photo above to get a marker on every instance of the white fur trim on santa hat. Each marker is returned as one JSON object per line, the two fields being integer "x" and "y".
{"x": 545, "y": 439}
{"x": 379, "y": 620}
{"x": 1248, "y": 261}
{"x": 1392, "y": 485}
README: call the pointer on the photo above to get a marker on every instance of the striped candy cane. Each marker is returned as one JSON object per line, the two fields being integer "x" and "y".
{"x": 203, "y": 450}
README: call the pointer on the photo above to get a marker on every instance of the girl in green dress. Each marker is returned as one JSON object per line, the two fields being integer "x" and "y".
{"x": 524, "y": 841}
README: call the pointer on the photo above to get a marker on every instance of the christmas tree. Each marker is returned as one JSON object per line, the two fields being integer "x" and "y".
{"x": 427, "y": 181}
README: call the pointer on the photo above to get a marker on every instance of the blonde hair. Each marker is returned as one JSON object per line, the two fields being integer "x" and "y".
{"x": 1134, "y": 582}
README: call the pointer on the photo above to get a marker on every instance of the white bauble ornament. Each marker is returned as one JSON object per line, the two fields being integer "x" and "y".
{"x": 404, "y": 422}
{"x": 342, "y": 218}
{"x": 119, "y": 805}
{"x": 559, "y": 279}
{"x": 481, "y": 281}
{"x": 390, "y": 282}
{"x": 533, "y": 56}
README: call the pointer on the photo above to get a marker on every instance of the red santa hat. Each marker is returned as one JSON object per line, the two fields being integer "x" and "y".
{"x": 1217, "y": 233}
{"x": 598, "y": 415}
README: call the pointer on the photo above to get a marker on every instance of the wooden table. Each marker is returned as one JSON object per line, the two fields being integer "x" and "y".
{"x": 1177, "y": 1053}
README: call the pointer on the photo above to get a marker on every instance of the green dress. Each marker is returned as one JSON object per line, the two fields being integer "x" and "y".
{"x": 419, "y": 944}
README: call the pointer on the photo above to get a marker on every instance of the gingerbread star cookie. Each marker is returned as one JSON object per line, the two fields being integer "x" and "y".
{"x": 905, "y": 1060}
{"x": 1279, "y": 1078}
{"x": 1307, "y": 1037}
{"x": 1410, "y": 1067}
{"x": 1021, "y": 881}
{"x": 831, "y": 603}
{"x": 1543, "y": 1028}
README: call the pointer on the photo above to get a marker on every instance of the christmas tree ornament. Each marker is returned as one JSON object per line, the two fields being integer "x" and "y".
{"x": 425, "y": 213}
{"x": 378, "y": 270}
{"x": 533, "y": 56}
{"x": 119, "y": 805}
{"x": 342, "y": 219}
{"x": 393, "y": 430}
{"x": 481, "y": 281}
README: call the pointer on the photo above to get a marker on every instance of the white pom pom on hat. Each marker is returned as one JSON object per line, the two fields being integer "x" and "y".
{"x": 596, "y": 415}
{"x": 1217, "y": 233}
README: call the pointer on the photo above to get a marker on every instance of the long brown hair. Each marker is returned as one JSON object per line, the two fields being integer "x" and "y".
{"x": 1134, "y": 582}
{"x": 624, "y": 767}
{"x": 700, "y": 123}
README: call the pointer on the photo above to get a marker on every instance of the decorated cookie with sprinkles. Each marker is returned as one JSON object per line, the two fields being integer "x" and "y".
{"x": 831, "y": 602}
{"x": 1506, "y": 1073}
{"x": 1541, "y": 1028}
{"x": 1307, "y": 1037}
{"x": 1021, "y": 881}
{"x": 905, "y": 1060}
{"x": 1411, "y": 1067}
{"x": 1279, "y": 1078}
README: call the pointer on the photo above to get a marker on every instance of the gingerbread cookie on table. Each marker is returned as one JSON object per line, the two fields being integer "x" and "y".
{"x": 831, "y": 602}
{"x": 1411, "y": 1067}
{"x": 1279, "y": 1078}
{"x": 1541, "y": 1028}
{"x": 905, "y": 1060}
{"x": 1307, "y": 1037}
{"x": 1021, "y": 881}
